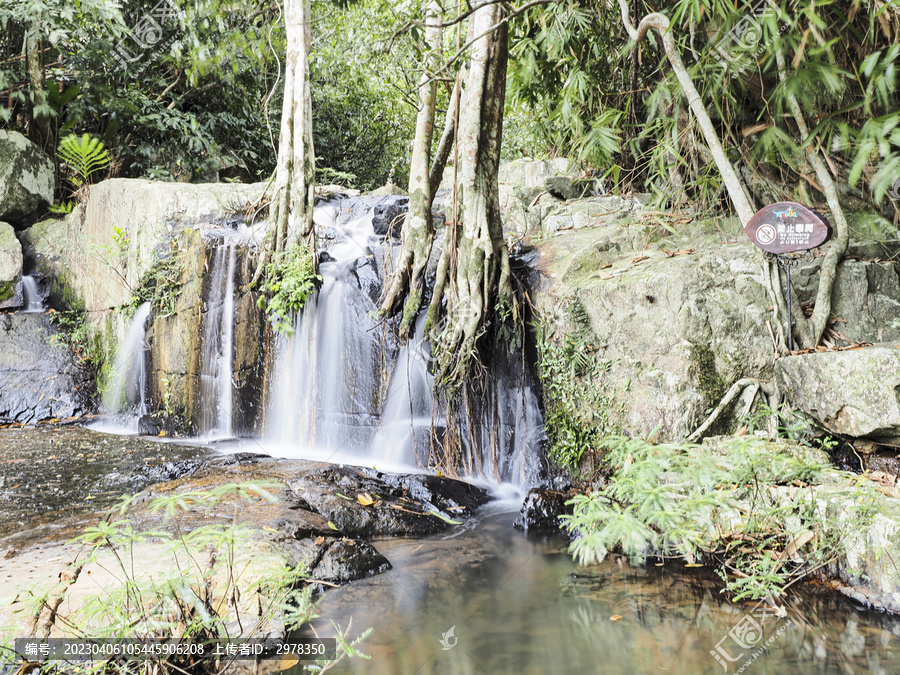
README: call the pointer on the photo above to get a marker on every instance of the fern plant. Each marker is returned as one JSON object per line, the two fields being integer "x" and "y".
{"x": 84, "y": 155}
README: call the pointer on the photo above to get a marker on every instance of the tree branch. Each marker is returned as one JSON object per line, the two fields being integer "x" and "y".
{"x": 739, "y": 198}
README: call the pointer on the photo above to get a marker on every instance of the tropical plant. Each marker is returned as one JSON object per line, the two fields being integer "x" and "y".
{"x": 287, "y": 286}
{"x": 84, "y": 155}
{"x": 719, "y": 506}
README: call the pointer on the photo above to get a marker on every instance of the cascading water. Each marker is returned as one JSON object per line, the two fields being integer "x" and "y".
{"x": 343, "y": 391}
{"x": 327, "y": 391}
{"x": 31, "y": 296}
{"x": 217, "y": 342}
{"x": 409, "y": 409}
{"x": 127, "y": 392}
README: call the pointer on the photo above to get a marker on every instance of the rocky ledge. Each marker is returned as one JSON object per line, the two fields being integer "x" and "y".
{"x": 315, "y": 515}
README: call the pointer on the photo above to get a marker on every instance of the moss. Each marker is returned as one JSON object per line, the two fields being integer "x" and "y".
{"x": 411, "y": 308}
{"x": 710, "y": 383}
{"x": 7, "y": 289}
{"x": 578, "y": 411}
{"x": 62, "y": 294}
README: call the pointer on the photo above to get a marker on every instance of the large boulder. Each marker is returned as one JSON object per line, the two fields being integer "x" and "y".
{"x": 667, "y": 333}
{"x": 136, "y": 233}
{"x": 106, "y": 246}
{"x": 853, "y": 393}
{"x": 39, "y": 376}
{"x": 26, "y": 178}
{"x": 10, "y": 266}
{"x": 673, "y": 320}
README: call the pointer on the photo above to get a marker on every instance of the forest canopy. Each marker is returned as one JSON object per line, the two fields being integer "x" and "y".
{"x": 202, "y": 96}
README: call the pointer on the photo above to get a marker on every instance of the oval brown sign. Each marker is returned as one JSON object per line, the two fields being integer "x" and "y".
{"x": 786, "y": 227}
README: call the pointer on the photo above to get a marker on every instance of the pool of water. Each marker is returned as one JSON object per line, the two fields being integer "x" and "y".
{"x": 519, "y": 605}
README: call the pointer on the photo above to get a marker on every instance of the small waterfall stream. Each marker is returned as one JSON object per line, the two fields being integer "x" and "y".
{"x": 217, "y": 347}
{"x": 345, "y": 391}
{"x": 127, "y": 391}
{"x": 31, "y": 296}
{"x": 328, "y": 382}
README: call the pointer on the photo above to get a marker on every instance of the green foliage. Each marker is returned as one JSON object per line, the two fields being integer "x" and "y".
{"x": 576, "y": 413}
{"x": 702, "y": 503}
{"x": 61, "y": 209}
{"x": 287, "y": 286}
{"x": 83, "y": 340}
{"x": 162, "y": 285}
{"x": 363, "y": 94}
{"x": 576, "y": 83}
{"x": 85, "y": 155}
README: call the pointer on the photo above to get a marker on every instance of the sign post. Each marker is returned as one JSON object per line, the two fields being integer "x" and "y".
{"x": 787, "y": 232}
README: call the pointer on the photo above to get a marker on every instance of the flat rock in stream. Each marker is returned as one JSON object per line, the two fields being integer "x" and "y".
{"x": 401, "y": 504}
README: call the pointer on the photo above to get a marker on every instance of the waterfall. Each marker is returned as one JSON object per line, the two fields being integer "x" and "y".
{"x": 216, "y": 351}
{"x": 127, "y": 391}
{"x": 31, "y": 297}
{"x": 328, "y": 382}
{"x": 344, "y": 391}
{"x": 409, "y": 408}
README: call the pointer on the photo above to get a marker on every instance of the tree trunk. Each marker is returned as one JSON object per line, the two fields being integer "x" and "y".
{"x": 292, "y": 203}
{"x": 810, "y": 332}
{"x": 479, "y": 283}
{"x": 42, "y": 135}
{"x": 418, "y": 231}
{"x": 743, "y": 205}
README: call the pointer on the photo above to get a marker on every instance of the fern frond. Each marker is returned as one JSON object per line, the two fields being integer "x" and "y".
{"x": 84, "y": 155}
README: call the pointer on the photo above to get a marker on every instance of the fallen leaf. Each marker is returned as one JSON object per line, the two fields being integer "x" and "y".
{"x": 606, "y": 266}
{"x": 605, "y": 275}
{"x": 289, "y": 661}
{"x": 684, "y": 251}
{"x": 694, "y": 565}
{"x": 615, "y": 617}
{"x": 365, "y": 499}
{"x": 270, "y": 529}
{"x": 319, "y": 541}
{"x": 639, "y": 258}
{"x": 799, "y": 542}
{"x": 742, "y": 431}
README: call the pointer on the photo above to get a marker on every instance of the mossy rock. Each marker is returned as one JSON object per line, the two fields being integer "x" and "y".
{"x": 26, "y": 178}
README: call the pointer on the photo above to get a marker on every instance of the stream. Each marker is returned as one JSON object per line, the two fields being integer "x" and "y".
{"x": 515, "y": 603}
{"x": 519, "y": 605}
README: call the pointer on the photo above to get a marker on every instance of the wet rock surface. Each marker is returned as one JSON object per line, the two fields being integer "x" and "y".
{"x": 401, "y": 504}
{"x": 53, "y": 480}
{"x": 40, "y": 378}
{"x": 390, "y": 212}
{"x": 542, "y": 510}
{"x": 56, "y": 481}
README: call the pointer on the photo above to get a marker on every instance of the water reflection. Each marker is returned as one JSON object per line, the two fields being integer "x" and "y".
{"x": 519, "y": 605}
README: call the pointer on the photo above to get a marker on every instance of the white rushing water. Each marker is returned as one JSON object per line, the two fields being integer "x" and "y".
{"x": 31, "y": 297}
{"x": 217, "y": 347}
{"x": 127, "y": 390}
{"x": 343, "y": 391}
